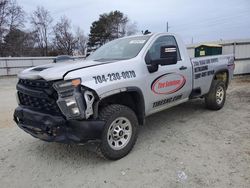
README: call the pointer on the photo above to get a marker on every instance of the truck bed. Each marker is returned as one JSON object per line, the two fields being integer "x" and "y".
{"x": 204, "y": 69}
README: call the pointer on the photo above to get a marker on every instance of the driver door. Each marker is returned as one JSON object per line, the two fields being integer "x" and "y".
{"x": 171, "y": 83}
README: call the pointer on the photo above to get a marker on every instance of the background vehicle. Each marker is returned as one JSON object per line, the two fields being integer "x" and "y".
{"x": 107, "y": 96}
{"x": 62, "y": 58}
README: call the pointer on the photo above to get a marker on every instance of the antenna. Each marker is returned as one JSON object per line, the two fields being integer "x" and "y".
{"x": 167, "y": 27}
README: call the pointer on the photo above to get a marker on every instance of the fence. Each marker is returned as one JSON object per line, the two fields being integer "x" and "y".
{"x": 10, "y": 66}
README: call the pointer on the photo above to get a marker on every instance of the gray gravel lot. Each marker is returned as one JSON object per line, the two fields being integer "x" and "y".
{"x": 185, "y": 146}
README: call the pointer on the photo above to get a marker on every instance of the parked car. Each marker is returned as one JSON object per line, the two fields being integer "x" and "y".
{"x": 110, "y": 94}
{"x": 63, "y": 58}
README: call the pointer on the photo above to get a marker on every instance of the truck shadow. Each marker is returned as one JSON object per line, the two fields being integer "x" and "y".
{"x": 88, "y": 153}
{"x": 172, "y": 116}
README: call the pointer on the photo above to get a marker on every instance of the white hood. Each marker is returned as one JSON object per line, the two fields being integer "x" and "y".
{"x": 56, "y": 71}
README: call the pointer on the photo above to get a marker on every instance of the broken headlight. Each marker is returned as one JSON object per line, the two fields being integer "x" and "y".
{"x": 74, "y": 103}
{"x": 70, "y": 99}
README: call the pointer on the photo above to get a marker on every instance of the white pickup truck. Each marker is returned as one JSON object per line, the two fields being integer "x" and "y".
{"x": 107, "y": 96}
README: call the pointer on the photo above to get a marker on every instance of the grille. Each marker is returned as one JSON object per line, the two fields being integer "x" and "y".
{"x": 37, "y": 84}
{"x": 46, "y": 97}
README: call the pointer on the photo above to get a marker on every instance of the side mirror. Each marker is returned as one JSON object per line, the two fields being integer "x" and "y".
{"x": 152, "y": 67}
{"x": 168, "y": 56}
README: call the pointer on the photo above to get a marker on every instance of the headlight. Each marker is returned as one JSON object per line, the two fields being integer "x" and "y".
{"x": 72, "y": 105}
{"x": 70, "y": 102}
{"x": 67, "y": 84}
{"x": 70, "y": 98}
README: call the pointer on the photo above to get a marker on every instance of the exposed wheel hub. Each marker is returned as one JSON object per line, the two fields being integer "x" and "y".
{"x": 119, "y": 133}
{"x": 220, "y": 95}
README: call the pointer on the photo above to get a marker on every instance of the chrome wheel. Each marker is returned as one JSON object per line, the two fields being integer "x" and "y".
{"x": 220, "y": 95}
{"x": 119, "y": 133}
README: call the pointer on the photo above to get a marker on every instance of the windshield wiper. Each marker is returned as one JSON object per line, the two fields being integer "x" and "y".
{"x": 110, "y": 59}
{"x": 101, "y": 59}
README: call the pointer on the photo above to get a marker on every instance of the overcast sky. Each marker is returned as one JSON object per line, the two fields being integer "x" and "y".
{"x": 202, "y": 20}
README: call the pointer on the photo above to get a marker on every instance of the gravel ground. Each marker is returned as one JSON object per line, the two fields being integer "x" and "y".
{"x": 185, "y": 146}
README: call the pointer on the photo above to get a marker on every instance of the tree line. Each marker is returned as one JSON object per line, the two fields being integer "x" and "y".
{"x": 45, "y": 37}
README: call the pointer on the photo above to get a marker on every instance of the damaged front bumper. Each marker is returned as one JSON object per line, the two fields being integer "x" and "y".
{"x": 56, "y": 128}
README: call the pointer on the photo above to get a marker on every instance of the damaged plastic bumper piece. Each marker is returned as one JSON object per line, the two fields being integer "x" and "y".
{"x": 56, "y": 128}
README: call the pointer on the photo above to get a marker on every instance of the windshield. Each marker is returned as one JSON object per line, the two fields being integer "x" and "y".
{"x": 125, "y": 48}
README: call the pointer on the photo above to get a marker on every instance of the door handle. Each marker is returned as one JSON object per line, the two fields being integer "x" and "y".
{"x": 183, "y": 68}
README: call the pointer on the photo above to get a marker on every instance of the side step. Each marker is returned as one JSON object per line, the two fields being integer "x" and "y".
{"x": 196, "y": 93}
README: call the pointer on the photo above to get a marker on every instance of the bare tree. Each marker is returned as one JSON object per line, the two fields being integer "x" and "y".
{"x": 11, "y": 17}
{"x": 16, "y": 15}
{"x": 64, "y": 39}
{"x": 41, "y": 22}
{"x": 4, "y": 13}
{"x": 81, "y": 41}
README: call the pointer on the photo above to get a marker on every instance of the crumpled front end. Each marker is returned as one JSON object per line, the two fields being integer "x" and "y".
{"x": 56, "y": 111}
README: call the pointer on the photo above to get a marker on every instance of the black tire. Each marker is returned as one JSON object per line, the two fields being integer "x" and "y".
{"x": 111, "y": 115}
{"x": 211, "y": 100}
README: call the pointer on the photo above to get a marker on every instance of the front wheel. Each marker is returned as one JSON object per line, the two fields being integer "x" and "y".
{"x": 120, "y": 131}
{"x": 216, "y": 97}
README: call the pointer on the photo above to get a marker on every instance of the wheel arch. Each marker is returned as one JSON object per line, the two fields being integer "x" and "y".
{"x": 131, "y": 97}
{"x": 222, "y": 75}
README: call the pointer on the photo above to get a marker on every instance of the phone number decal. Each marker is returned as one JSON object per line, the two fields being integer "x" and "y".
{"x": 110, "y": 77}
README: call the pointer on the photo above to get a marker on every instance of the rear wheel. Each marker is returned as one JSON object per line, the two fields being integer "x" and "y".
{"x": 120, "y": 131}
{"x": 216, "y": 97}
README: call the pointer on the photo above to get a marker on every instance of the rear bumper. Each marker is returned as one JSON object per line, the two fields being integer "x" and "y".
{"x": 56, "y": 128}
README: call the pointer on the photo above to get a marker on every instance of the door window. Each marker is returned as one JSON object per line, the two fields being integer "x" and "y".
{"x": 155, "y": 50}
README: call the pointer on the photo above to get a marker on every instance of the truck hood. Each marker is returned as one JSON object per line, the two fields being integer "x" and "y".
{"x": 57, "y": 71}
